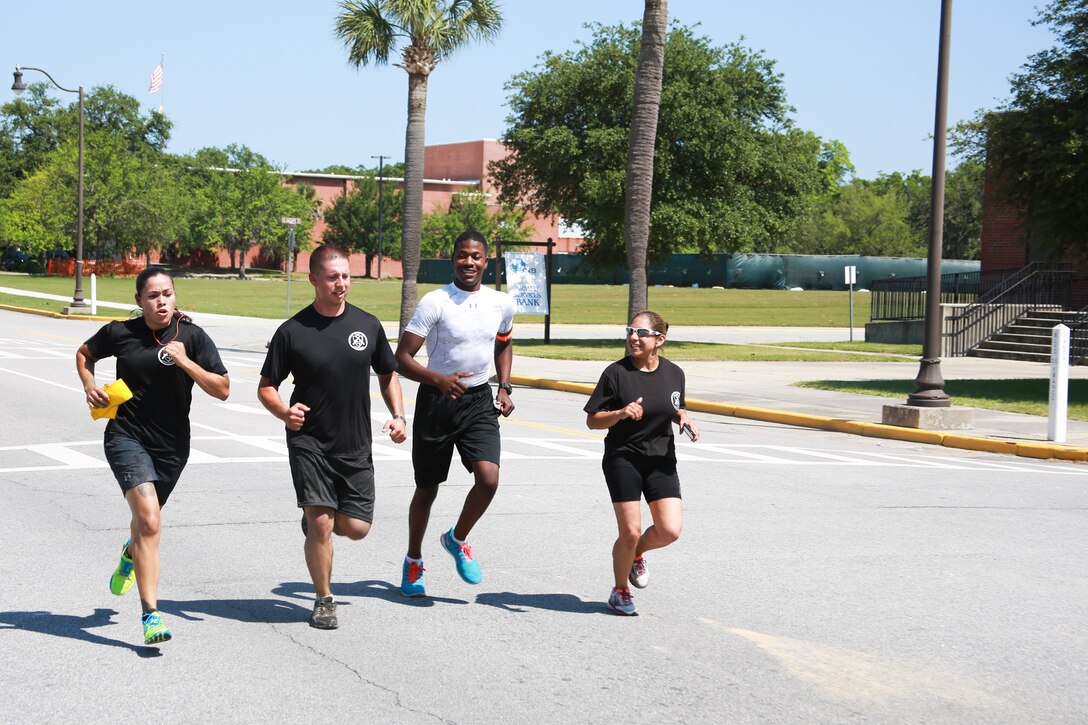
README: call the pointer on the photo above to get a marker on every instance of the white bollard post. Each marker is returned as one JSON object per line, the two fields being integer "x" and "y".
{"x": 94, "y": 294}
{"x": 1059, "y": 384}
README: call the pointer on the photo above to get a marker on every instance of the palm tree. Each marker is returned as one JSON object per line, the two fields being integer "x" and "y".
{"x": 430, "y": 30}
{"x": 640, "y": 154}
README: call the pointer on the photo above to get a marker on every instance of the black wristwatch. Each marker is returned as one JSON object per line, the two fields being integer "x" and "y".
{"x": 507, "y": 387}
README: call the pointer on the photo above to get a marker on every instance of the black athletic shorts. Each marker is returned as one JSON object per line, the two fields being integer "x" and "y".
{"x": 630, "y": 476}
{"x": 132, "y": 465}
{"x": 471, "y": 423}
{"x": 344, "y": 484}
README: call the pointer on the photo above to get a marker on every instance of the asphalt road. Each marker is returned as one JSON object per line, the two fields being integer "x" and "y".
{"x": 820, "y": 577}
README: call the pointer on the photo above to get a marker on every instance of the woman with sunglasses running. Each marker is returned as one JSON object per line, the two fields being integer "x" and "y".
{"x": 636, "y": 400}
{"x": 160, "y": 355}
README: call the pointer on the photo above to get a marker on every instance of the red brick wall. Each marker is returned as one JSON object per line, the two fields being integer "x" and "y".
{"x": 448, "y": 169}
{"x": 1004, "y": 244}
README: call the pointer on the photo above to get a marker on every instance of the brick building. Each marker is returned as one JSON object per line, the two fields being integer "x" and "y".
{"x": 1006, "y": 244}
{"x": 447, "y": 170}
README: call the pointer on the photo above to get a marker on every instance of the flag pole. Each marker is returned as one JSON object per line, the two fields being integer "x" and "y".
{"x": 162, "y": 93}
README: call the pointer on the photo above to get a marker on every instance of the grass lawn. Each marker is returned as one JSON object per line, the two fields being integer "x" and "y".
{"x": 1030, "y": 396}
{"x": 571, "y": 304}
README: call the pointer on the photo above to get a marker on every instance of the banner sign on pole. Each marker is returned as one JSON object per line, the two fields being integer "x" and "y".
{"x": 526, "y": 282}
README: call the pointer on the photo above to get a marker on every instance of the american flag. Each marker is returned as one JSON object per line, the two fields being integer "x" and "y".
{"x": 156, "y": 80}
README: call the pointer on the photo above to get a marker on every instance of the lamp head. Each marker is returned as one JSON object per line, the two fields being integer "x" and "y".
{"x": 18, "y": 86}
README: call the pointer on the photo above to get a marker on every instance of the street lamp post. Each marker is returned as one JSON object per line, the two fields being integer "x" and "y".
{"x": 380, "y": 159}
{"x": 78, "y": 304}
{"x": 929, "y": 385}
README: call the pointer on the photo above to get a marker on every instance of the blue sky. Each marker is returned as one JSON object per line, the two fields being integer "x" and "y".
{"x": 272, "y": 75}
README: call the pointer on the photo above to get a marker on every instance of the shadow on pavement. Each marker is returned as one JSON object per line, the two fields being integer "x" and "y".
{"x": 512, "y": 602}
{"x": 266, "y": 611}
{"x": 73, "y": 627}
{"x": 377, "y": 589}
{"x": 372, "y": 589}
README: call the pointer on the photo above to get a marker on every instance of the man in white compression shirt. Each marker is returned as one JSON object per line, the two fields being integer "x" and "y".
{"x": 465, "y": 326}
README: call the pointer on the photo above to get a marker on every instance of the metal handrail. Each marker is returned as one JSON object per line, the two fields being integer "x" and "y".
{"x": 1078, "y": 337}
{"x": 905, "y": 298}
{"x": 1000, "y": 307}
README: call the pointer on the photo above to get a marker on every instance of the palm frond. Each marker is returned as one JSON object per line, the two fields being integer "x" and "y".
{"x": 369, "y": 34}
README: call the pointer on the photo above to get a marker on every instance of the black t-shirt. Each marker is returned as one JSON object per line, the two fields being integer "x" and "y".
{"x": 330, "y": 359}
{"x": 162, "y": 393}
{"x": 662, "y": 393}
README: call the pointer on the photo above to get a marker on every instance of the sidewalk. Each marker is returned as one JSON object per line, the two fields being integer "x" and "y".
{"x": 765, "y": 390}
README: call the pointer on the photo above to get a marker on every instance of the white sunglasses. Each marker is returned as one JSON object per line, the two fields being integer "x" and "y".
{"x": 643, "y": 332}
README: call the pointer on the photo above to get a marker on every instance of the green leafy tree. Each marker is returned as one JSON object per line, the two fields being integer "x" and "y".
{"x": 963, "y": 210}
{"x": 730, "y": 171}
{"x": 130, "y": 195}
{"x": 835, "y": 166}
{"x": 638, "y": 194}
{"x": 427, "y": 32}
{"x": 240, "y": 203}
{"x": 469, "y": 211}
{"x": 38, "y": 215}
{"x": 389, "y": 171}
{"x": 352, "y": 221}
{"x": 1038, "y": 141}
{"x": 29, "y": 131}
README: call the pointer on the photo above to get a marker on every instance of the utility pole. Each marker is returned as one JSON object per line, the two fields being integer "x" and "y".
{"x": 381, "y": 161}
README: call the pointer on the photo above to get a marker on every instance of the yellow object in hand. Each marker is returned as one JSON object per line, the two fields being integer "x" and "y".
{"x": 119, "y": 393}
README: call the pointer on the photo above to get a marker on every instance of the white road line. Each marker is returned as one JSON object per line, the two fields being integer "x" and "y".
{"x": 240, "y": 408}
{"x": 580, "y": 453}
{"x": 42, "y": 380}
{"x": 396, "y": 454}
{"x": 61, "y": 453}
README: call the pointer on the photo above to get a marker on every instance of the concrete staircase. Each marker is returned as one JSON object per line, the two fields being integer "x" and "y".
{"x": 1026, "y": 339}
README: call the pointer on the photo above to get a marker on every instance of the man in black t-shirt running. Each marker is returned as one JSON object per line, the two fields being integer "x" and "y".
{"x": 330, "y": 347}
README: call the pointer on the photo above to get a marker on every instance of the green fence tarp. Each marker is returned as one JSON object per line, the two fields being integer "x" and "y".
{"x": 740, "y": 271}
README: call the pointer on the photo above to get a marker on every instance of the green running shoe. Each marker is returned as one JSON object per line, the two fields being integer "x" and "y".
{"x": 123, "y": 575}
{"x": 154, "y": 630}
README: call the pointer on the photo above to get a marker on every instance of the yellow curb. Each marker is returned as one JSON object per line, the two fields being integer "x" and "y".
{"x": 704, "y": 406}
{"x": 780, "y": 416}
{"x": 914, "y": 435}
{"x": 1071, "y": 454}
{"x": 59, "y": 315}
{"x": 841, "y": 425}
{"x": 852, "y": 427}
{"x": 563, "y": 385}
{"x": 974, "y": 443}
{"x": 1030, "y": 449}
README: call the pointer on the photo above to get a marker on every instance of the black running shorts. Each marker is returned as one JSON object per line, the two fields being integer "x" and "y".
{"x": 471, "y": 423}
{"x": 344, "y": 484}
{"x": 631, "y": 476}
{"x": 132, "y": 465}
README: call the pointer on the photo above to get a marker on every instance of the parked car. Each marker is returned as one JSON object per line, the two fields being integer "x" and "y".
{"x": 12, "y": 259}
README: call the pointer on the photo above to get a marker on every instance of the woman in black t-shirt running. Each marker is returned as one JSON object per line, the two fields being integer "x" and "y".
{"x": 637, "y": 399}
{"x": 160, "y": 355}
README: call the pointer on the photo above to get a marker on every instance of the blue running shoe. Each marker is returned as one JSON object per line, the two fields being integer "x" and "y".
{"x": 154, "y": 630}
{"x": 462, "y": 555}
{"x": 621, "y": 603}
{"x": 411, "y": 579}
{"x": 123, "y": 576}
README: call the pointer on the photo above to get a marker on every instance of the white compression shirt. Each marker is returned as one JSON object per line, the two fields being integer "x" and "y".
{"x": 460, "y": 328}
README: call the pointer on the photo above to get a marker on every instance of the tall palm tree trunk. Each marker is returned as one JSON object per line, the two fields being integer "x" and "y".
{"x": 640, "y": 155}
{"x": 412, "y": 221}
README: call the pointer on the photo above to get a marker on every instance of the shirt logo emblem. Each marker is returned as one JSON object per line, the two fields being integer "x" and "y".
{"x": 164, "y": 357}
{"x": 676, "y": 399}
{"x": 357, "y": 341}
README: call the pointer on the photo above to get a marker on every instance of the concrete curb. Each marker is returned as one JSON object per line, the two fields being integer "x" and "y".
{"x": 1027, "y": 449}
{"x": 58, "y": 315}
